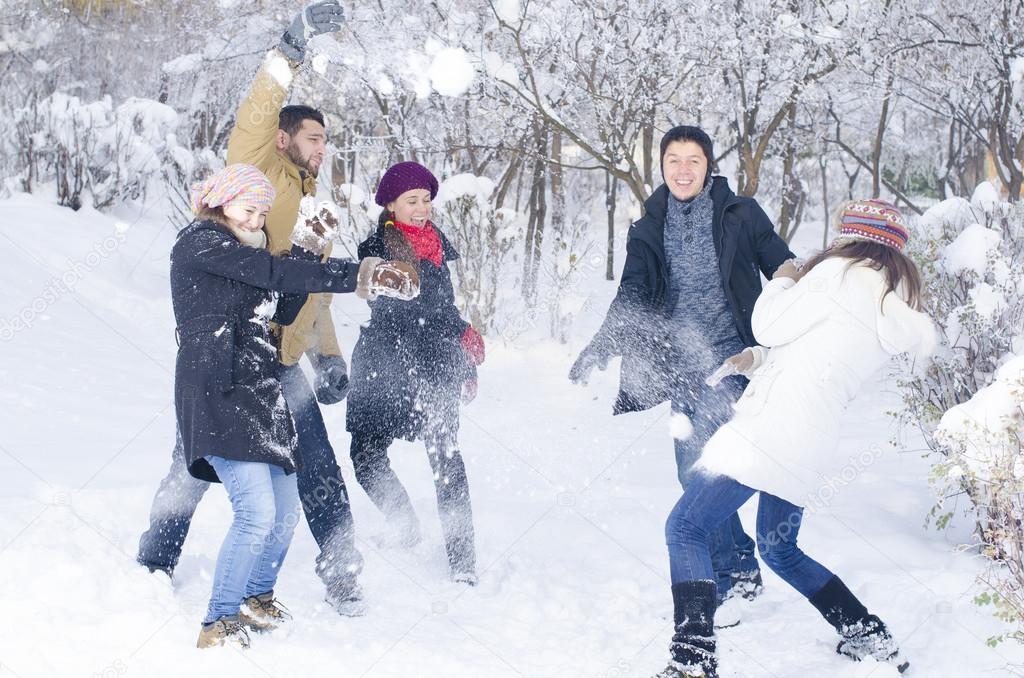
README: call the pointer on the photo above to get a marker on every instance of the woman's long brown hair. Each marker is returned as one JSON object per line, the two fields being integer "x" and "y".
{"x": 899, "y": 269}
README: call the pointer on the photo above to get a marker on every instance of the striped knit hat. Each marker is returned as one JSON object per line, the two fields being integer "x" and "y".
{"x": 237, "y": 184}
{"x": 874, "y": 220}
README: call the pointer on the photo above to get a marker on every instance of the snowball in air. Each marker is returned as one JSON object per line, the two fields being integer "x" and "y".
{"x": 450, "y": 72}
{"x": 680, "y": 426}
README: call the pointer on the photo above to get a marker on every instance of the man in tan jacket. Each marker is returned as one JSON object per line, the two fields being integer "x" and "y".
{"x": 288, "y": 144}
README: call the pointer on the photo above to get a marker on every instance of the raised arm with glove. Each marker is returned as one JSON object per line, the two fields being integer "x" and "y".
{"x": 317, "y": 19}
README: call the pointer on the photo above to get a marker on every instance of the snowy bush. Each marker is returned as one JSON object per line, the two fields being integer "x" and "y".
{"x": 94, "y": 149}
{"x": 564, "y": 300}
{"x": 982, "y": 438}
{"x": 484, "y": 237}
{"x": 358, "y": 218}
{"x": 967, "y": 399}
{"x": 971, "y": 258}
{"x": 182, "y": 168}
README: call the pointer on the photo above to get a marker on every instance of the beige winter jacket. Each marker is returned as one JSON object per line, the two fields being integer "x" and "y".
{"x": 253, "y": 141}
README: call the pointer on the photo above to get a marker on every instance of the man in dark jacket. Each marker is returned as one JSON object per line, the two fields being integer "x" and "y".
{"x": 692, "y": 274}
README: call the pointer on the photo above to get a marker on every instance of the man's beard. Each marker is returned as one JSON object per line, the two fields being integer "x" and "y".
{"x": 295, "y": 155}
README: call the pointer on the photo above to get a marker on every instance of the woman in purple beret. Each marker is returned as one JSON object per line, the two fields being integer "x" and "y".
{"x": 412, "y": 365}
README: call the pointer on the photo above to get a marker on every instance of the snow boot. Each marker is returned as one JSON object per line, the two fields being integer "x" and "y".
{"x": 747, "y": 585}
{"x": 156, "y": 567}
{"x": 461, "y": 559}
{"x": 863, "y": 634}
{"x": 346, "y": 597}
{"x": 729, "y": 613}
{"x": 402, "y": 531}
{"x": 223, "y": 631}
{"x": 693, "y": 644}
{"x": 469, "y": 578}
{"x": 265, "y": 613}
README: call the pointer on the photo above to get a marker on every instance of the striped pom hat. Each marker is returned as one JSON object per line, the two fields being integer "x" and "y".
{"x": 237, "y": 184}
{"x": 874, "y": 220}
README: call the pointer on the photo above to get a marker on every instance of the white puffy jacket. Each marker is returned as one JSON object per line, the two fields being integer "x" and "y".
{"x": 828, "y": 333}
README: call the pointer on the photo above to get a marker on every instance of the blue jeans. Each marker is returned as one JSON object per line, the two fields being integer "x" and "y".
{"x": 321, "y": 489}
{"x": 265, "y": 502}
{"x": 732, "y": 551}
{"x": 708, "y": 502}
{"x": 321, "y": 485}
{"x": 171, "y": 515}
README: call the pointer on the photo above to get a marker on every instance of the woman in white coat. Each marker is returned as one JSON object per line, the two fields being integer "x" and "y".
{"x": 829, "y": 326}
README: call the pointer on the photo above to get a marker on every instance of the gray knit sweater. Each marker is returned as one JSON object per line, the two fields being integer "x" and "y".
{"x": 705, "y": 332}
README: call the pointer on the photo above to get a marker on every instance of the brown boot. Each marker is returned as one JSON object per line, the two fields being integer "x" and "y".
{"x": 223, "y": 631}
{"x": 265, "y": 612}
{"x": 255, "y": 625}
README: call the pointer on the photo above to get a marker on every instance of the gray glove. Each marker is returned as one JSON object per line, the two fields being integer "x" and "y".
{"x": 320, "y": 17}
{"x": 331, "y": 379}
{"x": 589, "y": 358}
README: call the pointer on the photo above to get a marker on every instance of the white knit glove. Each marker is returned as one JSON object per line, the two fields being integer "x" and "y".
{"x": 744, "y": 363}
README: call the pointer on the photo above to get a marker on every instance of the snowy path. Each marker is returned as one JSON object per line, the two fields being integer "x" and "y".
{"x": 569, "y": 506}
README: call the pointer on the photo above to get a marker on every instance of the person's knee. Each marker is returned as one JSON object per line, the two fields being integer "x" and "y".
{"x": 285, "y": 522}
{"x": 257, "y": 516}
{"x": 780, "y": 556}
{"x": 680, "y": 529}
{"x": 364, "y": 456}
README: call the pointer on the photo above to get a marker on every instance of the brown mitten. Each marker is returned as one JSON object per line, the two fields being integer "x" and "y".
{"x": 316, "y": 225}
{"x": 396, "y": 279}
{"x": 388, "y": 278}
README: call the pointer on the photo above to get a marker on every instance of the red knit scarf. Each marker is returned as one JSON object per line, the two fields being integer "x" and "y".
{"x": 426, "y": 244}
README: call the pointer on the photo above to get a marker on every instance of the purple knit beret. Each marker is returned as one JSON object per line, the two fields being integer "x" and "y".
{"x": 405, "y": 176}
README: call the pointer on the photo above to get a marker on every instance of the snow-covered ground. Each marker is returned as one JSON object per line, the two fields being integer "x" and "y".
{"x": 569, "y": 502}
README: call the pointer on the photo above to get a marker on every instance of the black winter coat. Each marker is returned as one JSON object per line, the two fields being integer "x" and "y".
{"x": 408, "y": 365}
{"x": 227, "y": 397}
{"x": 636, "y": 327}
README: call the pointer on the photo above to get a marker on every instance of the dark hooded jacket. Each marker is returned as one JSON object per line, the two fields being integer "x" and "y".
{"x": 227, "y": 397}
{"x": 636, "y": 326}
{"x": 408, "y": 365}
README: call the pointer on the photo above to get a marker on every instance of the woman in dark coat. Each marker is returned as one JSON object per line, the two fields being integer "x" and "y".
{"x": 235, "y": 425}
{"x": 410, "y": 368}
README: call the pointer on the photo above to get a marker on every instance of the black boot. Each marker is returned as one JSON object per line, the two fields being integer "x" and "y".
{"x": 864, "y": 634}
{"x": 693, "y": 645}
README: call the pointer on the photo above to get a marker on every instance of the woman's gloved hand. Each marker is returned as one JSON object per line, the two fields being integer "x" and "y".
{"x": 473, "y": 346}
{"x": 743, "y": 363}
{"x": 388, "y": 278}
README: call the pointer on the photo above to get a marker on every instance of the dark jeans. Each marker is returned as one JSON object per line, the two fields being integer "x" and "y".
{"x": 321, "y": 490}
{"x": 373, "y": 471}
{"x": 321, "y": 486}
{"x": 708, "y": 502}
{"x": 732, "y": 550}
{"x": 171, "y": 514}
